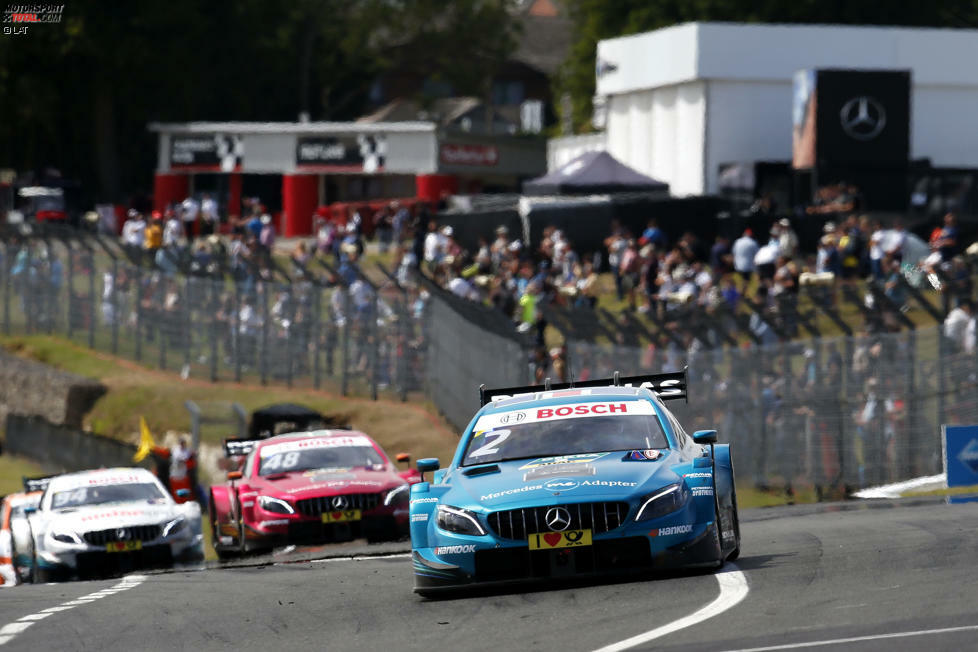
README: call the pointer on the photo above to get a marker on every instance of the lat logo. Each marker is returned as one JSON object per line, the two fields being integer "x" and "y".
{"x": 561, "y": 484}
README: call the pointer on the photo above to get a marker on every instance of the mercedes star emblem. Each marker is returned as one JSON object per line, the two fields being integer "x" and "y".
{"x": 558, "y": 519}
{"x": 340, "y": 503}
{"x": 122, "y": 534}
{"x": 863, "y": 118}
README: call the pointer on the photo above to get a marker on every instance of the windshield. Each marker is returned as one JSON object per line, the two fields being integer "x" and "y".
{"x": 565, "y": 430}
{"x": 335, "y": 457}
{"x": 110, "y": 493}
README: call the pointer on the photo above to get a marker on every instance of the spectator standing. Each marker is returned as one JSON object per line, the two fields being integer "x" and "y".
{"x": 959, "y": 327}
{"x": 400, "y": 221}
{"x": 209, "y": 215}
{"x": 134, "y": 233}
{"x": 721, "y": 256}
{"x": 744, "y": 250}
{"x": 153, "y": 239}
{"x": 787, "y": 239}
{"x": 383, "y": 227}
{"x": 616, "y": 244}
{"x": 191, "y": 211}
{"x": 947, "y": 241}
{"x": 654, "y": 235}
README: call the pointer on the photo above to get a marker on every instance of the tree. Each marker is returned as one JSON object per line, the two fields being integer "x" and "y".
{"x": 594, "y": 20}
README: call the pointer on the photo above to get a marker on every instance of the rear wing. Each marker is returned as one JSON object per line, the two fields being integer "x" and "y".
{"x": 235, "y": 446}
{"x": 666, "y": 386}
{"x": 38, "y": 483}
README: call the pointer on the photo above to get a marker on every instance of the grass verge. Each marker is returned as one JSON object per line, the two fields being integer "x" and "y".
{"x": 12, "y": 470}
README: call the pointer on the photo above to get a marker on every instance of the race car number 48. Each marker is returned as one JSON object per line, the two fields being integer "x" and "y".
{"x": 341, "y": 516}
{"x": 567, "y": 539}
{"x": 123, "y": 546}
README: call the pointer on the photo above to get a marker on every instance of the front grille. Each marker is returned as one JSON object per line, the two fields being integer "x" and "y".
{"x": 131, "y": 533}
{"x": 521, "y": 523}
{"x": 316, "y": 506}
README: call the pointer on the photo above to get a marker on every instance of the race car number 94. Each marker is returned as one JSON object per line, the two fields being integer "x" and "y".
{"x": 552, "y": 540}
{"x": 341, "y": 516}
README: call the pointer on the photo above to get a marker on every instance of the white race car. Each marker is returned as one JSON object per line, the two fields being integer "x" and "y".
{"x": 109, "y": 521}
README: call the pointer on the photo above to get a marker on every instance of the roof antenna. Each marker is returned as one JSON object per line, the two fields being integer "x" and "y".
{"x": 482, "y": 394}
{"x": 546, "y": 383}
{"x": 617, "y": 378}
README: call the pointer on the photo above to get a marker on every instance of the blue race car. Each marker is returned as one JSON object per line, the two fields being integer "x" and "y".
{"x": 567, "y": 480}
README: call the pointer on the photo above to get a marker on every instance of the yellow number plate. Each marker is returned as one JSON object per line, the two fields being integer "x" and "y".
{"x": 567, "y": 539}
{"x": 341, "y": 516}
{"x": 123, "y": 546}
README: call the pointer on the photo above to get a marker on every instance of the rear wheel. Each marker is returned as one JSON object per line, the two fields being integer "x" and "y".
{"x": 735, "y": 518}
{"x": 222, "y": 553}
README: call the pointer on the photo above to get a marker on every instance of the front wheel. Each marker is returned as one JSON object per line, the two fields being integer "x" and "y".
{"x": 735, "y": 553}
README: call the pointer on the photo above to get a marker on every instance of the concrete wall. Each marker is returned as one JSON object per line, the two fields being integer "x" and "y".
{"x": 59, "y": 448}
{"x": 34, "y": 389}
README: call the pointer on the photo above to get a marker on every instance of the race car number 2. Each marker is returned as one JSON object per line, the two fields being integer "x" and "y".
{"x": 567, "y": 539}
{"x": 341, "y": 516}
{"x": 123, "y": 546}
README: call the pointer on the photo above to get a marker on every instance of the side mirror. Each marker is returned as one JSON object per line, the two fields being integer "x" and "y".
{"x": 403, "y": 458}
{"x": 183, "y": 493}
{"x": 705, "y": 436}
{"x": 428, "y": 464}
{"x": 29, "y": 509}
{"x": 234, "y": 475}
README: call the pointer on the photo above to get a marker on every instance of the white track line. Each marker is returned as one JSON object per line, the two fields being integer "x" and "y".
{"x": 897, "y": 489}
{"x": 9, "y": 631}
{"x": 859, "y": 639}
{"x": 396, "y": 555}
{"x": 733, "y": 589}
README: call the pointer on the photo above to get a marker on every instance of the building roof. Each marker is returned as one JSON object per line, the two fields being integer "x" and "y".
{"x": 774, "y": 52}
{"x": 291, "y": 127}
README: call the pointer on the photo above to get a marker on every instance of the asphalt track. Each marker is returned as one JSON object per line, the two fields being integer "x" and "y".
{"x": 892, "y": 575}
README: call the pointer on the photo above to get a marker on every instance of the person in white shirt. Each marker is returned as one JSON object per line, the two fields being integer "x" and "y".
{"x": 787, "y": 239}
{"x": 134, "y": 233}
{"x": 191, "y": 210}
{"x": 744, "y": 249}
{"x": 433, "y": 250}
{"x": 209, "y": 215}
{"x": 959, "y": 326}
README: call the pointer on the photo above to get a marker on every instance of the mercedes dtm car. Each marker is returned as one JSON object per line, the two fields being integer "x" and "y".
{"x": 108, "y": 521}
{"x": 15, "y": 534}
{"x": 558, "y": 481}
{"x": 309, "y": 487}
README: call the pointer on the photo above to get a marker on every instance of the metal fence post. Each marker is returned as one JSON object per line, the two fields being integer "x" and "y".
{"x": 186, "y": 324}
{"x": 373, "y": 352}
{"x": 138, "y": 286}
{"x": 5, "y": 269}
{"x": 116, "y": 312}
{"x": 347, "y": 320}
{"x": 317, "y": 294}
{"x": 263, "y": 355}
{"x": 214, "y": 304}
{"x": 91, "y": 298}
{"x": 236, "y": 333}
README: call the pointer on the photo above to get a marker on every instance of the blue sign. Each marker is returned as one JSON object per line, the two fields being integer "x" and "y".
{"x": 961, "y": 455}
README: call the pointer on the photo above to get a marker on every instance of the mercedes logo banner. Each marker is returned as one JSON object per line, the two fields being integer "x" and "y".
{"x": 849, "y": 121}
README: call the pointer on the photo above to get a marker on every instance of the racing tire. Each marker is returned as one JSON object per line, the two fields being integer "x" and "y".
{"x": 19, "y": 578}
{"x": 222, "y": 553}
{"x": 735, "y": 553}
{"x": 38, "y": 575}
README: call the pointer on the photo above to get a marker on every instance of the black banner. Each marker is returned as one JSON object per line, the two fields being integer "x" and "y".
{"x": 206, "y": 150}
{"x": 862, "y": 119}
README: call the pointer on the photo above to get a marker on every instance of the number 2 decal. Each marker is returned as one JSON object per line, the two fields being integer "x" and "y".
{"x": 490, "y": 447}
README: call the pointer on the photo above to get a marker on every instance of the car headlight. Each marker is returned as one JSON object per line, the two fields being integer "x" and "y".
{"x": 662, "y": 502}
{"x": 460, "y": 521}
{"x": 397, "y": 497}
{"x": 275, "y": 505}
{"x": 174, "y": 527}
{"x": 63, "y": 536}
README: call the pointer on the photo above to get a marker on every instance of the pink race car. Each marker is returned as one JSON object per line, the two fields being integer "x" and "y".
{"x": 309, "y": 487}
